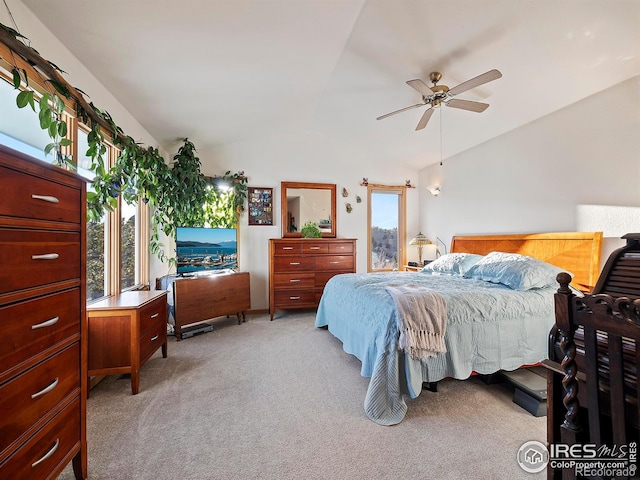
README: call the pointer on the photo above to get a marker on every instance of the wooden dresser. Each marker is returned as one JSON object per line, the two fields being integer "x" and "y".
{"x": 124, "y": 331}
{"x": 210, "y": 296}
{"x": 42, "y": 319}
{"x": 299, "y": 269}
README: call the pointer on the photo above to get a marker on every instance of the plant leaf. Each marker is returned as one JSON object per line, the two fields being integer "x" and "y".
{"x": 22, "y": 100}
{"x": 16, "y": 77}
{"x": 60, "y": 88}
{"x": 62, "y": 129}
{"x": 48, "y": 148}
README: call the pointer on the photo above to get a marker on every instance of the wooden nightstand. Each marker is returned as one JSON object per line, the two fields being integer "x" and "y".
{"x": 124, "y": 331}
{"x": 409, "y": 268}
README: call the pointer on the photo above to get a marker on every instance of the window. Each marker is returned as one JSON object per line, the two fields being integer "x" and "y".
{"x": 386, "y": 218}
{"x": 116, "y": 259}
{"x": 97, "y": 233}
{"x": 129, "y": 240}
{"x": 20, "y": 127}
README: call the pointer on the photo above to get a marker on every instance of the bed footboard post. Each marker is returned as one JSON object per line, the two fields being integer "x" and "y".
{"x": 570, "y": 428}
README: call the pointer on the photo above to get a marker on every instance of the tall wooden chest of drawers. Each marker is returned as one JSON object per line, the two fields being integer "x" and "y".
{"x": 42, "y": 319}
{"x": 299, "y": 269}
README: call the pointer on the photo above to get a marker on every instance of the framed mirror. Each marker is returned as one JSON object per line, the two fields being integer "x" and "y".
{"x": 308, "y": 202}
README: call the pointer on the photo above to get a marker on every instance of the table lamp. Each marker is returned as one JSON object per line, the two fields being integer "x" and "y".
{"x": 420, "y": 240}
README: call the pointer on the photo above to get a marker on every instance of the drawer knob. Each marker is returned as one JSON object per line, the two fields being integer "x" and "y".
{"x": 45, "y": 198}
{"x": 294, "y": 263}
{"x": 53, "y": 385}
{"x": 48, "y": 323}
{"x": 294, "y": 280}
{"x": 47, "y": 455}
{"x": 294, "y": 298}
{"x": 45, "y": 256}
{"x": 314, "y": 248}
{"x": 333, "y": 263}
{"x": 287, "y": 248}
{"x": 155, "y": 315}
{"x": 154, "y": 338}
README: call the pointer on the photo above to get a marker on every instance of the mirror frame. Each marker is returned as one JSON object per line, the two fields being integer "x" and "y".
{"x": 331, "y": 187}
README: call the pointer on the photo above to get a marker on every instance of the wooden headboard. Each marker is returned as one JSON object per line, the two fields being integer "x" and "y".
{"x": 574, "y": 252}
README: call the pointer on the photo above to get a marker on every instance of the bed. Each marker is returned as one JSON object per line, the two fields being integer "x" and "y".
{"x": 489, "y": 326}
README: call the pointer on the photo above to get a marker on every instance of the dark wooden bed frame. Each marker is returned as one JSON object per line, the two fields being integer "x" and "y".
{"x": 592, "y": 387}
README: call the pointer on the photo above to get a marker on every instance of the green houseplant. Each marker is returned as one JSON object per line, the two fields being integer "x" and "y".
{"x": 310, "y": 230}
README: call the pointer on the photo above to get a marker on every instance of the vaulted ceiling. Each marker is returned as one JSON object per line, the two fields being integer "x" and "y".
{"x": 225, "y": 71}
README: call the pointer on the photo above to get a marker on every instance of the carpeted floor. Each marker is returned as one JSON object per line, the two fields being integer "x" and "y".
{"x": 282, "y": 400}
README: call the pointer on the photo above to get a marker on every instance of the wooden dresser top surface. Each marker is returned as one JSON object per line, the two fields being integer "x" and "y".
{"x": 127, "y": 300}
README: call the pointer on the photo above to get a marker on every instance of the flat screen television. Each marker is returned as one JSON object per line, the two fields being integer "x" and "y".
{"x": 206, "y": 249}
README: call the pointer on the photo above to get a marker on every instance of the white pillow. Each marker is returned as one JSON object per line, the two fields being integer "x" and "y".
{"x": 518, "y": 272}
{"x": 452, "y": 263}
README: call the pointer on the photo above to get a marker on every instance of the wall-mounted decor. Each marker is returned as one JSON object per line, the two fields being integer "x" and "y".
{"x": 345, "y": 192}
{"x": 260, "y": 205}
{"x": 348, "y": 207}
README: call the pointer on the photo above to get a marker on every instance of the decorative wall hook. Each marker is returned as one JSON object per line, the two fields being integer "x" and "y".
{"x": 345, "y": 193}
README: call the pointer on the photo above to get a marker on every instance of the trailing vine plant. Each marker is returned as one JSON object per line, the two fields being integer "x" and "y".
{"x": 179, "y": 193}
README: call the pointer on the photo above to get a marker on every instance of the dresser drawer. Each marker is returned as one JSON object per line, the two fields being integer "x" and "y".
{"x": 294, "y": 280}
{"x": 335, "y": 262}
{"x": 153, "y": 314}
{"x": 28, "y": 397}
{"x": 308, "y": 246}
{"x": 151, "y": 341}
{"x": 26, "y": 196}
{"x": 287, "y": 248}
{"x": 341, "y": 247}
{"x": 33, "y": 326}
{"x": 30, "y": 258}
{"x": 43, "y": 453}
{"x": 295, "y": 298}
{"x": 294, "y": 264}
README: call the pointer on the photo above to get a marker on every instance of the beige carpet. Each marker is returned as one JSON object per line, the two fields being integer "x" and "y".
{"x": 282, "y": 400}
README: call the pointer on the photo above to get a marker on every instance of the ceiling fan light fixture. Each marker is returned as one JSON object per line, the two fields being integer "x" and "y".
{"x": 435, "y": 95}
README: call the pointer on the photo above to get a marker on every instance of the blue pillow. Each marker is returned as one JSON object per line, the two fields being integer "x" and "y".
{"x": 452, "y": 263}
{"x": 518, "y": 272}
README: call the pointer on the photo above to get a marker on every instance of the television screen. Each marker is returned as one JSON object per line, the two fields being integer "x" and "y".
{"x": 204, "y": 249}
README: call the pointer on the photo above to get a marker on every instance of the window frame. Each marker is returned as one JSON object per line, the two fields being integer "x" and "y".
{"x": 402, "y": 223}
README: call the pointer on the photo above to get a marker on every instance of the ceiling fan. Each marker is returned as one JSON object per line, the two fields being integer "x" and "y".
{"x": 436, "y": 95}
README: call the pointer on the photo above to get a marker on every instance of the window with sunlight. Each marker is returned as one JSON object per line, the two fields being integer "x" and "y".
{"x": 386, "y": 228}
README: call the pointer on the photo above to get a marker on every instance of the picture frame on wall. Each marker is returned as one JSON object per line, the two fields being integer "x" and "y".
{"x": 260, "y": 205}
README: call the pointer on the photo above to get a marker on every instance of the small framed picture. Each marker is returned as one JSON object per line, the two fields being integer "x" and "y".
{"x": 260, "y": 205}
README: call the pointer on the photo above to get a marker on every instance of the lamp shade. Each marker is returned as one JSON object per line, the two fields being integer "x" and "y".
{"x": 420, "y": 239}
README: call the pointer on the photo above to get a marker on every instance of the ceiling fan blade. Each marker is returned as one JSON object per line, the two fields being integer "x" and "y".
{"x": 467, "y": 105}
{"x": 421, "y": 87}
{"x": 425, "y": 119}
{"x": 475, "y": 82}
{"x": 401, "y": 110}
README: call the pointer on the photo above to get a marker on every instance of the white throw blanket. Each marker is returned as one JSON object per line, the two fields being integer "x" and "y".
{"x": 422, "y": 320}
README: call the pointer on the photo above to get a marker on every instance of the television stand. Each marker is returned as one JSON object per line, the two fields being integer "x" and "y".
{"x": 205, "y": 297}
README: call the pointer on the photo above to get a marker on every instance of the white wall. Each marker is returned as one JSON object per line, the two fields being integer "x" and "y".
{"x": 537, "y": 177}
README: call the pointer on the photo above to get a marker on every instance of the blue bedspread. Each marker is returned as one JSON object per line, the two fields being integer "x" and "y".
{"x": 489, "y": 328}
